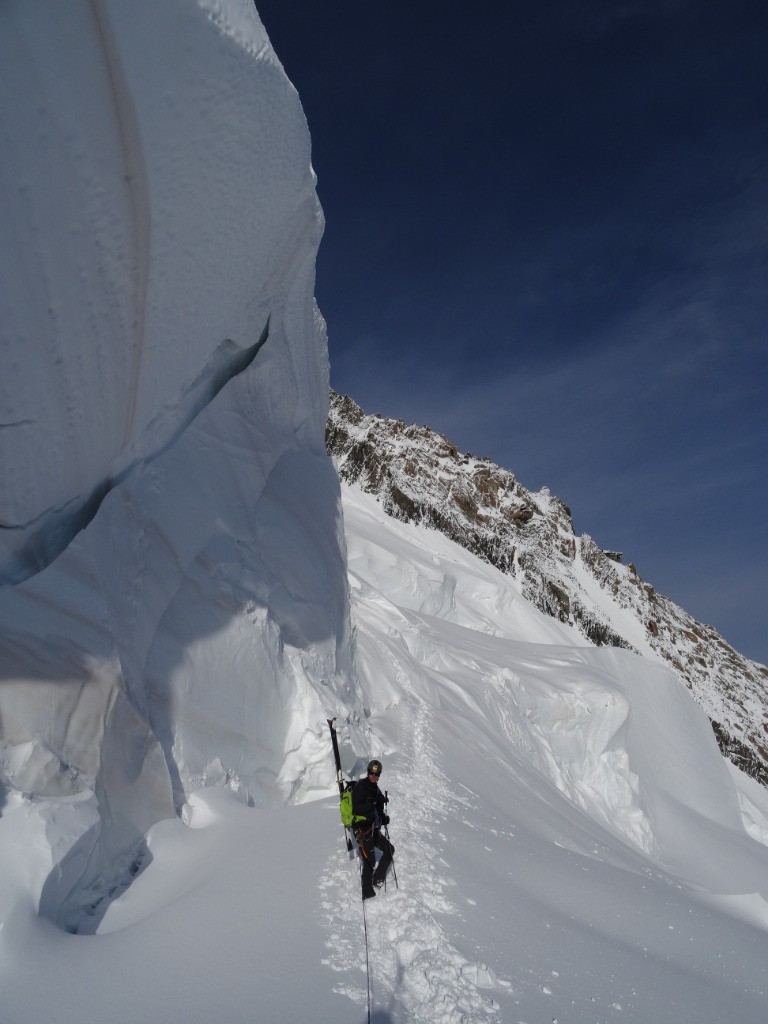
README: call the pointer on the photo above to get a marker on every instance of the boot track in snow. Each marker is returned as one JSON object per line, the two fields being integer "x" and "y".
{"x": 413, "y": 972}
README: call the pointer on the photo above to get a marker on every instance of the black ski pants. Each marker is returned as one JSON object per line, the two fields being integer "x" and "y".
{"x": 368, "y": 846}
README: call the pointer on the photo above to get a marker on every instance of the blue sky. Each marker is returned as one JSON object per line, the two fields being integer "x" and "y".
{"x": 547, "y": 237}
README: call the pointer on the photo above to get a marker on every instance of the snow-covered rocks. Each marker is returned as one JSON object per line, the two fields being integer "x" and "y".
{"x": 420, "y": 476}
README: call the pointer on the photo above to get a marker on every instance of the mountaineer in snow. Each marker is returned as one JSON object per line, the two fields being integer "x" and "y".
{"x": 368, "y": 804}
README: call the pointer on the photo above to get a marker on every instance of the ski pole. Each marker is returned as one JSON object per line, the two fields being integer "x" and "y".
{"x": 386, "y": 833}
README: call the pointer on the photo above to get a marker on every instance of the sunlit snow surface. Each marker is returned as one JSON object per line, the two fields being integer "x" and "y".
{"x": 569, "y": 843}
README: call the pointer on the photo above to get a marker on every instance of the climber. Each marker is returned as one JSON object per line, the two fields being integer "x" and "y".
{"x": 368, "y": 804}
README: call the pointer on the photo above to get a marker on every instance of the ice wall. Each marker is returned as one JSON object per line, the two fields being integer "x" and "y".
{"x": 174, "y": 608}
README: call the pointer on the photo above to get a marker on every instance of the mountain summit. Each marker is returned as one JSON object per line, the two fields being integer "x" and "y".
{"x": 420, "y": 476}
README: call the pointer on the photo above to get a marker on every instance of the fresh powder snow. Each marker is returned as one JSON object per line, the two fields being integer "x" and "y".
{"x": 189, "y": 593}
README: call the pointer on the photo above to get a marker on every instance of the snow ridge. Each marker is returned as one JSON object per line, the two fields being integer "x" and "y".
{"x": 420, "y": 476}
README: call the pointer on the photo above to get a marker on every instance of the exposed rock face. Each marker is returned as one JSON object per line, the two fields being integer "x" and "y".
{"x": 420, "y": 476}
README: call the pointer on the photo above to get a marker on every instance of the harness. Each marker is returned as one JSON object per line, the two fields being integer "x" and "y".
{"x": 364, "y": 833}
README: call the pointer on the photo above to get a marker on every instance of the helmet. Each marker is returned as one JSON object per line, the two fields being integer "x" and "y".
{"x": 374, "y": 767}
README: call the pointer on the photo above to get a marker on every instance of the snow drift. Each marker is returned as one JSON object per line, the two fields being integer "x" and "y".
{"x": 171, "y": 543}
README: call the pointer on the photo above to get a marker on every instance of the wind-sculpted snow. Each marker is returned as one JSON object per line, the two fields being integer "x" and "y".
{"x": 172, "y": 546}
{"x": 158, "y": 205}
{"x": 420, "y": 476}
{"x": 591, "y": 721}
{"x": 574, "y": 734}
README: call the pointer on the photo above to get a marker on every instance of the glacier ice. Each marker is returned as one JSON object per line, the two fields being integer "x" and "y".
{"x": 175, "y": 607}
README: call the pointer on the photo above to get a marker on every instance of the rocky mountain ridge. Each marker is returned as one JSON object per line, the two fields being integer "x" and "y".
{"x": 420, "y": 476}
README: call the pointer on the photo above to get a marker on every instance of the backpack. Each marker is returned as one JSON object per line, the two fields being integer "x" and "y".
{"x": 345, "y": 807}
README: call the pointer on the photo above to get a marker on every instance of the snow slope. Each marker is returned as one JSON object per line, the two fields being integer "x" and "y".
{"x": 570, "y": 843}
{"x": 420, "y": 476}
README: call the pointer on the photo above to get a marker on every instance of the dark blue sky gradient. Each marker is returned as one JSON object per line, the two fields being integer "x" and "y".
{"x": 547, "y": 237}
